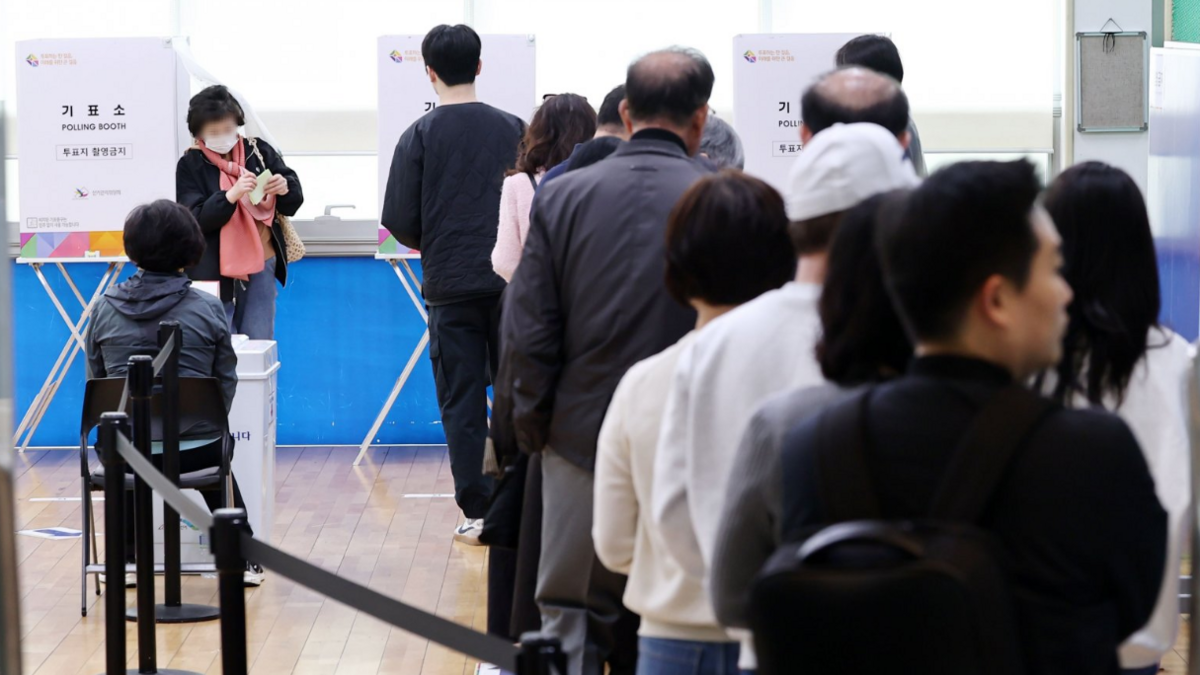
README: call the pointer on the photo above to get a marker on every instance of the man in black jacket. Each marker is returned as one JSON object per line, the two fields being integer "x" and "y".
{"x": 974, "y": 268}
{"x": 586, "y": 303}
{"x": 443, "y": 199}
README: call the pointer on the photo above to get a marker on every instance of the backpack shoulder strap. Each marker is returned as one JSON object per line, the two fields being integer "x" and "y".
{"x": 847, "y": 492}
{"x": 982, "y": 457}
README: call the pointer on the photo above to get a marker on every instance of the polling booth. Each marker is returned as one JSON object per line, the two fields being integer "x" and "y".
{"x": 507, "y": 81}
{"x": 101, "y": 127}
{"x": 770, "y": 72}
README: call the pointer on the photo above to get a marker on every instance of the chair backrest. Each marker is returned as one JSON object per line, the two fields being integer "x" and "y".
{"x": 100, "y": 395}
{"x": 201, "y": 404}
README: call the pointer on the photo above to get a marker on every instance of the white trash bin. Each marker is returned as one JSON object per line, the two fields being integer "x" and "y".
{"x": 252, "y": 421}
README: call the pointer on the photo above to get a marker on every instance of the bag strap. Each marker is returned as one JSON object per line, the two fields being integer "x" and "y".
{"x": 254, "y": 147}
{"x": 982, "y": 457}
{"x": 532, "y": 181}
{"x": 847, "y": 492}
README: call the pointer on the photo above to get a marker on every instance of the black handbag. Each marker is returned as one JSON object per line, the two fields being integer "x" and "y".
{"x": 502, "y": 524}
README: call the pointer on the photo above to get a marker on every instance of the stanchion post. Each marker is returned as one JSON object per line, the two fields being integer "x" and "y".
{"x": 112, "y": 424}
{"x": 141, "y": 386}
{"x": 541, "y": 655}
{"x": 228, "y": 525}
{"x": 172, "y": 594}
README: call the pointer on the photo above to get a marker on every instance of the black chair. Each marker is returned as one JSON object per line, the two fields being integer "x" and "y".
{"x": 200, "y": 401}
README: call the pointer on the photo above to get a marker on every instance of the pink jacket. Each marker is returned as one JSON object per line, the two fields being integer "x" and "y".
{"x": 516, "y": 198}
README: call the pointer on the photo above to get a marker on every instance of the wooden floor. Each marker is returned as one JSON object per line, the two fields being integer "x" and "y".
{"x": 352, "y": 520}
{"x": 356, "y": 521}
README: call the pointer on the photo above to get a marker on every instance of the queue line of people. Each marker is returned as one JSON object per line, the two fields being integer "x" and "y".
{"x": 675, "y": 341}
{"x": 670, "y": 336}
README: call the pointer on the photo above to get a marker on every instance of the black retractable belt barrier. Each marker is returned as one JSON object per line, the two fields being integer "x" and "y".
{"x": 231, "y": 566}
{"x": 141, "y": 388}
{"x": 541, "y": 655}
{"x": 173, "y": 610}
{"x": 112, "y": 425}
{"x": 233, "y": 546}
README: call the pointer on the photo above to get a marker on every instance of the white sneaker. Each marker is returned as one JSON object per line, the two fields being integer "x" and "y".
{"x": 254, "y": 575}
{"x": 130, "y": 579}
{"x": 468, "y": 533}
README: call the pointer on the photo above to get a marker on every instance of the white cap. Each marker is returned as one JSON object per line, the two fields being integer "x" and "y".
{"x": 844, "y": 165}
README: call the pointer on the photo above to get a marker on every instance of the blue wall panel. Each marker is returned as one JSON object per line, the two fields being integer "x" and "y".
{"x": 345, "y": 329}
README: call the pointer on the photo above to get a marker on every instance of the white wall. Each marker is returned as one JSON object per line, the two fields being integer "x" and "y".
{"x": 1129, "y": 151}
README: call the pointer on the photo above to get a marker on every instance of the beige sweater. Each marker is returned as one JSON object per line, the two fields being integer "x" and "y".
{"x": 672, "y": 604}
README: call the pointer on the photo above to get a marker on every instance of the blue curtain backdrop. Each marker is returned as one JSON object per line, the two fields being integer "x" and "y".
{"x": 345, "y": 329}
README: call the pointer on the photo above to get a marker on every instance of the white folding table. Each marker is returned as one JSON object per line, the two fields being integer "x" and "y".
{"x": 77, "y": 324}
{"x": 402, "y": 265}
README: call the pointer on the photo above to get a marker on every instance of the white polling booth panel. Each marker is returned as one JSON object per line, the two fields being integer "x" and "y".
{"x": 1174, "y": 173}
{"x": 770, "y": 72}
{"x": 252, "y": 422}
{"x": 506, "y": 81}
{"x": 100, "y": 133}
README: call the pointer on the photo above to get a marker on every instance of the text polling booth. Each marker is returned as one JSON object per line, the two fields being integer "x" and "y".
{"x": 100, "y": 127}
{"x": 506, "y": 81}
{"x": 770, "y": 72}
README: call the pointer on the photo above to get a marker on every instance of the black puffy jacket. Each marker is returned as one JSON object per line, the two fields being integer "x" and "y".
{"x": 443, "y": 196}
{"x": 198, "y": 187}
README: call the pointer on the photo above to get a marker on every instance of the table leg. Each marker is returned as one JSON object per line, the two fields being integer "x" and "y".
{"x": 387, "y": 406}
{"x": 75, "y": 344}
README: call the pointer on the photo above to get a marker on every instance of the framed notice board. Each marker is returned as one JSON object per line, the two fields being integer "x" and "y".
{"x": 1112, "y": 71}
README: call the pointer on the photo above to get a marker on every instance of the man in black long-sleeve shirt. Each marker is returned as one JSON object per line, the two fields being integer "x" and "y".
{"x": 973, "y": 266}
{"x": 443, "y": 198}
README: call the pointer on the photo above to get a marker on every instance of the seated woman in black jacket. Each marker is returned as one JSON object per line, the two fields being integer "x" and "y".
{"x": 215, "y": 179}
{"x": 162, "y": 238}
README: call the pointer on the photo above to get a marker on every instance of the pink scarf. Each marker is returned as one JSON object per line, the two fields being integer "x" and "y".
{"x": 241, "y": 245}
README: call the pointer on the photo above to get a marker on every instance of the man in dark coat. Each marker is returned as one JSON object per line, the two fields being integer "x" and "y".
{"x": 443, "y": 198}
{"x": 587, "y": 302}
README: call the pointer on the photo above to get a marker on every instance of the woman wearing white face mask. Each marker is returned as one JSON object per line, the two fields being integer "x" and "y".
{"x": 215, "y": 179}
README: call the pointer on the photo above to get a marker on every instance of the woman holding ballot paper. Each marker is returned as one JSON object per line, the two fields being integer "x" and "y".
{"x": 238, "y": 188}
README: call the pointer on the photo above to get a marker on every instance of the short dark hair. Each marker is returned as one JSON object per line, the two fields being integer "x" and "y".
{"x": 727, "y": 241}
{"x": 213, "y": 104}
{"x": 819, "y": 110}
{"x": 1110, "y": 263}
{"x": 593, "y": 151}
{"x": 863, "y": 339}
{"x": 558, "y": 125}
{"x": 876, "y": 52}
{"x": 163, "y": 236}
{"x": 965, "y": 223}
{"x": 674, "y": 90}
{"x": 610, "y": 109}
{"x": 453, "y": 53}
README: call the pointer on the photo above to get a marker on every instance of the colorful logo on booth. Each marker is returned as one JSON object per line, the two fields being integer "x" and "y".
{"x": 750, "y": 57}
{"x": 396, "y": 56}
{"x": 32, "y": 60}
{"x": 82, "y": 193}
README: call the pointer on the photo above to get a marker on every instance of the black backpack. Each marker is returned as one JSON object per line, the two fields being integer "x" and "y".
{"x": 866, "y": 595}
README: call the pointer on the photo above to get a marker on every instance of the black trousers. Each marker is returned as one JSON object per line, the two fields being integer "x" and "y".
{"x": 464, "y": 348}
{"x": 195, "y": 459}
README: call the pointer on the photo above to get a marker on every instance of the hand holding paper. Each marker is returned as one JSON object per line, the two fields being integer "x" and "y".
{"x": 256, "y": 195}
